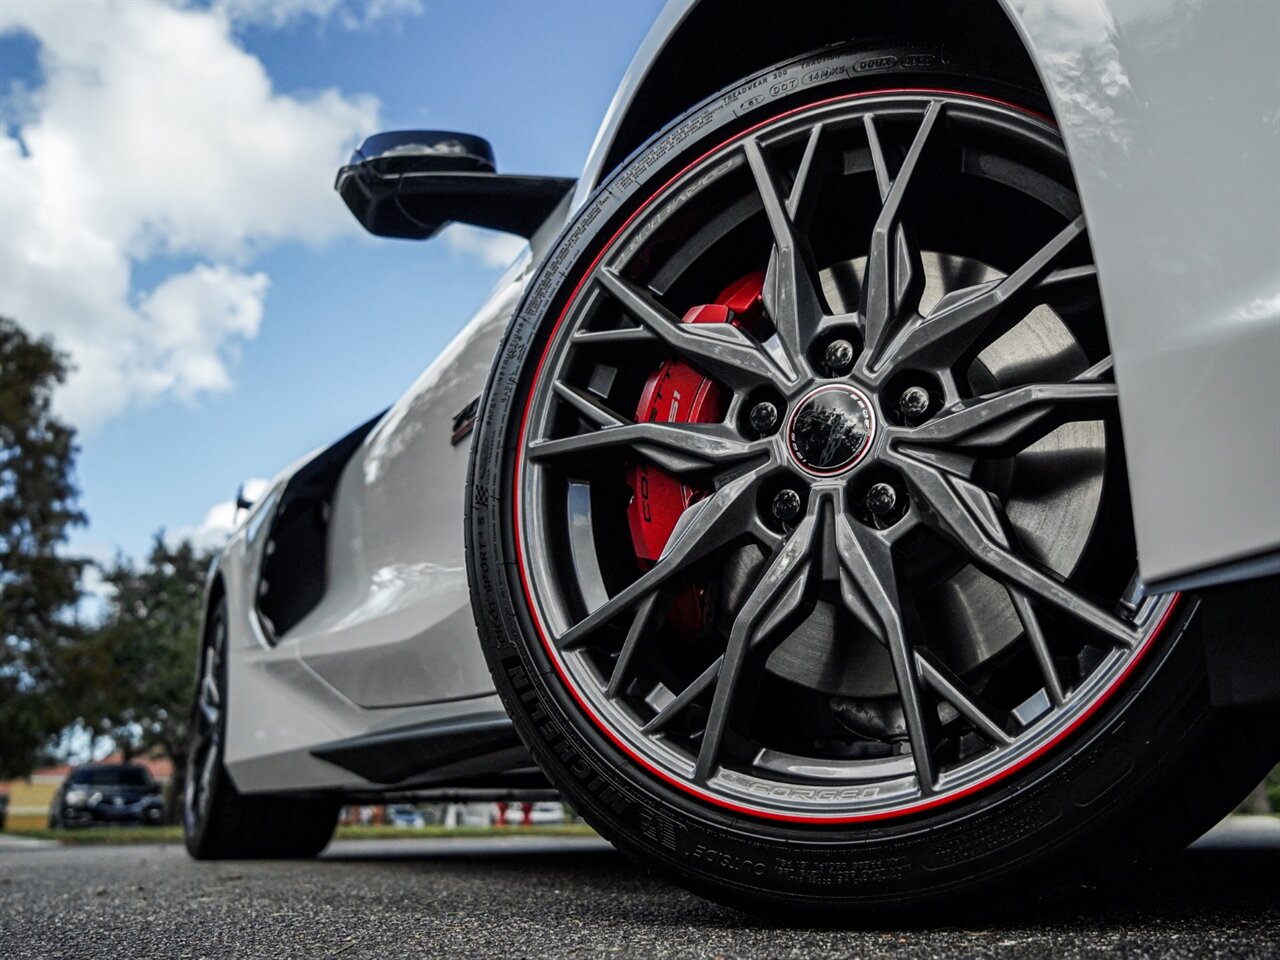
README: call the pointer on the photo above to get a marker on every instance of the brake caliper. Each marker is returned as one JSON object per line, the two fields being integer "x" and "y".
{"x": 678, "y": 393}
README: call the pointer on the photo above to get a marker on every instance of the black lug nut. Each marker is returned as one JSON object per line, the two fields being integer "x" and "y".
{"x": 786, "y": 505}
{"x": 914, "y": 402}
{"x": 764, "y": 417}
{"x": 881, "y": 499}
{"x": 839, "y": 356}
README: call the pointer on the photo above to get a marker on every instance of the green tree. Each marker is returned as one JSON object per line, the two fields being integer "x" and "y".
{"x": 140, "y": 662}
{"x": 39, "y": 587}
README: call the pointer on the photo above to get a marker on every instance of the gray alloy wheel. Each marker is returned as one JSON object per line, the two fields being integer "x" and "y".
{"x": 933, "y": 431}
{"x": 204, "y": 756}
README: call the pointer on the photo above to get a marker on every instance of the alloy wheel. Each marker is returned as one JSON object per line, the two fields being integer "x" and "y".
{"x": 203, "y": 756}
{"x": 820, "y": 500}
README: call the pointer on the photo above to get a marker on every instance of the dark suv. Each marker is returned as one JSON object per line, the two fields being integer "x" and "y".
{"x": 107, "y": 793}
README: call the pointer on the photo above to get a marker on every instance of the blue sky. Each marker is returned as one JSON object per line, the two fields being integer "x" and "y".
{"x": 224, "y": 315}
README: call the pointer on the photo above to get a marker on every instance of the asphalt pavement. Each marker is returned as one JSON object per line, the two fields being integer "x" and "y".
{"x": 574, "y": 897}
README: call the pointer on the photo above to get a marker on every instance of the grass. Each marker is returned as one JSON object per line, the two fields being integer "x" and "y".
{"x": 173, "y": 834}
{"x": 102, "y": 835}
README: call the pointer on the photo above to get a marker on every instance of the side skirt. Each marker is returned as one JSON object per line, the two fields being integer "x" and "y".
{"x": 407, "y": 753}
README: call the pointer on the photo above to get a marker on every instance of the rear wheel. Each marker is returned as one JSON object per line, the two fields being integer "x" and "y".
{"x": 799, "y": 534}
{"x": 220, "y": 822}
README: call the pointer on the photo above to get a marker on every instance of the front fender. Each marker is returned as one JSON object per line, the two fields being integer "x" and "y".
{"x": 1178, "y": 166}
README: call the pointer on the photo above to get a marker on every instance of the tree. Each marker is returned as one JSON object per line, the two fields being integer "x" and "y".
{"x": 39, "y": 587}
{"x": 140, "y": 662}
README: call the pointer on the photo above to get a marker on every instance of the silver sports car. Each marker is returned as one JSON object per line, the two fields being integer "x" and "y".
{"x": 862, "y": 493}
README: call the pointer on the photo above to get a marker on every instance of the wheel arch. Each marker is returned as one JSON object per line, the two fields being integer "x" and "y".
{"x": 681, "y": 63}
{"x": 214, "y": 592}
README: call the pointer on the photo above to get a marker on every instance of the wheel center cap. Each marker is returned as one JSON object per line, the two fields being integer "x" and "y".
{"x": 831, "y": 429}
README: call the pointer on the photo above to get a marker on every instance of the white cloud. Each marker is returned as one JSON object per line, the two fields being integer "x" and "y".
{"x": 493, "y": 249}
{"x": 351, "y": 15}
{"x": 219, "y": 521}
{"x": 155, "y": 134}
{"x": 194, "y": 313}
{"x": 275, "y": 13}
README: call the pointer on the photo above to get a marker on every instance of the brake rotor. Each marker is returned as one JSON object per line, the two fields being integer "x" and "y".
{"x": 677, "y": 392}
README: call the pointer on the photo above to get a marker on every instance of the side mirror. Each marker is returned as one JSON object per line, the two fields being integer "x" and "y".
{"x": 413, "y": 183}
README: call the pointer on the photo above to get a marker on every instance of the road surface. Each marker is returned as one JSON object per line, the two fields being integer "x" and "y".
{"x": 573, "y": 897}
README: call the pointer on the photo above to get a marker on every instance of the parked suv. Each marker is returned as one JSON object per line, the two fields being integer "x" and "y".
{"x": 107, "y": 793}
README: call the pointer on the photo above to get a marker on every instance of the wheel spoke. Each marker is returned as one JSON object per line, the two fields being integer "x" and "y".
{"x": 1031, "y": 626}
{"x": 1001, "y": 424}
{"x": 895, "y": 276}
{"x": 872, "y": 592}
{"x": 650, "y": 613}
{"x": 208, "y": 698}
{"x": 785, "y": 592}
{"x": 883, "y": 181}
{"x": 208, "y": 701}
{"x": 1068, "y": 282}
{"x": 965, "y": 316}
{"x": 206, "y": 777}
{"x": 720, "y": 350}
{"x": 972, "y": 518}
{"x": 704, "y": 527}
{"x": 685, "y": 697}
{"x": 588, "y": 407}
{"x": 622, "y": 337}
{"x": 791, "y": 295}
{"x": 952, "y": 689}
{"x": 681, "y": 448}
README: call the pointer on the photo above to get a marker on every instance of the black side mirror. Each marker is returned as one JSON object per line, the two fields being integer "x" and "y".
{"x": 412, "y": 183}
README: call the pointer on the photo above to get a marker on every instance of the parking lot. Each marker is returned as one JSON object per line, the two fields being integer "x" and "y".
{"x": 573, "y": 897}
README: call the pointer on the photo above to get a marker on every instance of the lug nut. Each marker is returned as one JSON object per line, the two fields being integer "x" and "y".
{"x": 881, "y": 499}
{"x": 786, "y": 505}
{"x": 914, "y": 402}
{"x": 764, "y": 417}
{"x": 839, "y": 355}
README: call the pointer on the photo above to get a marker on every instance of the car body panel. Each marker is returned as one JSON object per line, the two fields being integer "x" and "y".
{"x": 278, "y": 708}
{"x": 1143, "y": 92}
{"x": 1178, "y": 166}
{"x": 396, "y": 626}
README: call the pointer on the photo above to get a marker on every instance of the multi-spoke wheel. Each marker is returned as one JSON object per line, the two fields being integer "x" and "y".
{"x": 219, "y": 822}
{"x": 799, "y": 502}
{"x": 204, "y": 753}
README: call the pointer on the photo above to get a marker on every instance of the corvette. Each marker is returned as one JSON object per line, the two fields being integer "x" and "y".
{"x": 861, "y": 494}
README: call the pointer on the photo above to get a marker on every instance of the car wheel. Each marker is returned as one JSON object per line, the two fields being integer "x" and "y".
{"x": 799, "y": 534}
{"x": 220, "y": 822}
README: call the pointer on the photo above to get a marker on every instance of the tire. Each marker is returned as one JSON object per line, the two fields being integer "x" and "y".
{"x": 228, "y": 824}
{"x": 1143, "y": 770}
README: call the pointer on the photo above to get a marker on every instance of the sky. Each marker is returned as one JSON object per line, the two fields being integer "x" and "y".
{"x": 167, "y": 216}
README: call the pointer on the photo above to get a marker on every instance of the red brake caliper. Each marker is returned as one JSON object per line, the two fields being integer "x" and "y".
{"x": 678, "y": 393}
